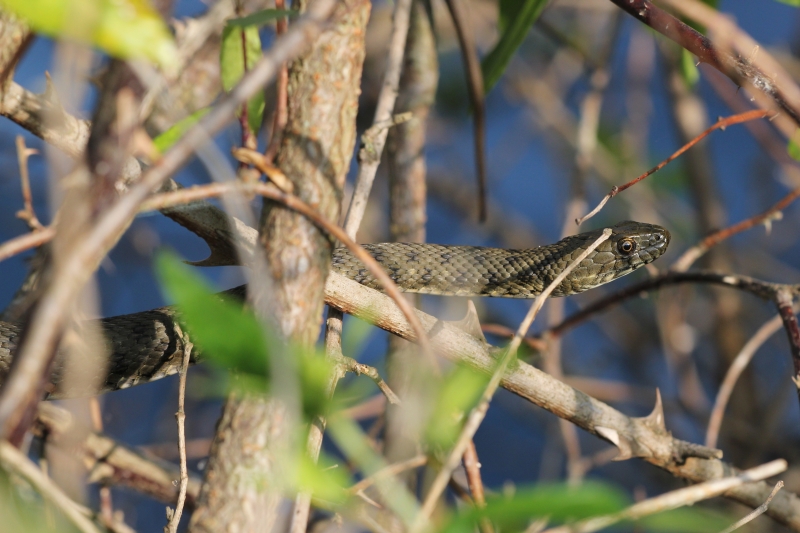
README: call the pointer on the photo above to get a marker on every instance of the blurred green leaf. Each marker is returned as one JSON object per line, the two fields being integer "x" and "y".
{"x": 231, "y": 337}
{"x": 122, "y": 28}
{"x": 793, "y": 148}
{"x": 688, "y": 68}
{"x": 228, "y": 335}
{"x": 237, "y": 43}
{"x": 23, "y": 511}
{"x": 261, "y": 18}
{"x": 355, "y": 335}
{"x": 354, "y": 444}
{"x": 559, "y": 503}
{"x": 496, "y": 61}
{"x": 164, "y": 141}
{"x": 325, "y": 480}
{"x": 508, "y": 11}
{"x": 795, "y": 3}
{"x": 458, "y": 394}
{"x": 686, "y": 520}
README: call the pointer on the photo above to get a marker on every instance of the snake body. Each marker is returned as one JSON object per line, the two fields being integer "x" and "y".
{"x": 145, "y": 346}
{"x": 499, "y": 272}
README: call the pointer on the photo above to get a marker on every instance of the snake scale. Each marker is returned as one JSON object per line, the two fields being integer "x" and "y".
{"x": 144, "y": 346}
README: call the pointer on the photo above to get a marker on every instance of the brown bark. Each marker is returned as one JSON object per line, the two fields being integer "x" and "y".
{"x": 315, "y": 154}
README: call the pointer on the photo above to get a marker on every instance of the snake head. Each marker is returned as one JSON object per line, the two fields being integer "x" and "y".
{"x": 637, "y": 244}
{"x": 631, "y": 246}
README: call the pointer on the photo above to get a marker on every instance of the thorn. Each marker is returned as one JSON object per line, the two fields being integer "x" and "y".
{"x": 470, "y": 324}
{"x": 49, "y": 93}
{"x": 613, "y": 436}
{"x": 655, "y": 419}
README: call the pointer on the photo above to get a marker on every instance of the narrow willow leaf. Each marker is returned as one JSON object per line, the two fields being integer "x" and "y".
{"x": 686, "y": 520}
{"x": 238, "y": 43}
{"x": 262, "y": 17}
{"x": 559, "y": 503}
{"x": 689, "y": 68}
{"x": 164, "y": 141}
{"x": 509, "y": 9}
{"x": 793, "y": 148}
{"x": 495, "y": 63}
{"x": 121, "y": 28}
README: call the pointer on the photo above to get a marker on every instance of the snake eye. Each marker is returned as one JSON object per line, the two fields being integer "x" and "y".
{"x": 626, "y": 246}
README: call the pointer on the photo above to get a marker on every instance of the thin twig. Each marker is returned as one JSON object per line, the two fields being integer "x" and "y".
{"x": 534, "y": 343}
{"x": 761, "y": 509}
{"x": 763, "y": 289}
{"x": 783, "y": 299}
{"x": 738, "y": 365}
{"x": 675, "y": 499}
{"x": 27, "y": 214}
{"x": 281, "y": 95}
{"x": 19, "y": 244}
{"x": 722, "y": 123}
{"x": 174, "y": 516}
{"x": 370, "y": 156}
{"x": 695, "y": 252}
{"x": 477, "y": 415}
{"x": 371, "y": 372}
{"x": 16, "y": 462}
{"x": 472, "y": 466}
{"x": 388, "y": 471}
{"x": 472, "y": 69}
{"x": 160, "y": 201}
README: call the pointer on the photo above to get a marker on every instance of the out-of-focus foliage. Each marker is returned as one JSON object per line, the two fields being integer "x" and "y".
{"x": 516, "y": 19}
{"x": 164, "y": 141}
{"x": 793, "y": 148}
{"x": 560, "y": 503}
{"x": 689, "y": 68}
{"x": 122, "y": 28}
{"x": 795, "y": 3}
{"x": 458, "y": 393}
{"x": 230, "y": 336}
{"x": 22, "y": 510}
{"x": 240, "y": 50}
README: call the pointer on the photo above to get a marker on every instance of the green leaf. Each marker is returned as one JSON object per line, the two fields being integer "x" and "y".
{"x": 793, "y": 148}
{"x": 237, "y": 43}
{"x": 458, "y": 394}
{"x": 325, "y": 480}
{"x": 263, "y": 17}
{"x": 495, "y": 63}
{"x": 559, "y": 503}
{"x": 122, "y": 28}
{"x": 689, "y": 68}
{"x": 686, "y": 520}
{"x": 509, "y": 10}
{"x": 164, "y": 141}
{"x": 231, "y": 337}
{"x": 226, "y": 333}
{"x": 795, "y": 3}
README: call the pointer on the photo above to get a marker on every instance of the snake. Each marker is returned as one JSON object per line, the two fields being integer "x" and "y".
{"x": 145, "y": 346}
